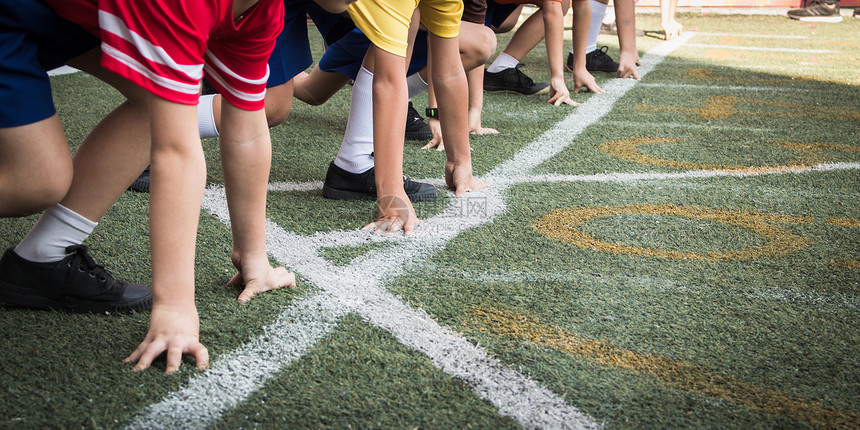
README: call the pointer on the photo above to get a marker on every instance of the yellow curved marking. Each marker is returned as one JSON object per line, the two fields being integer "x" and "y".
{"x": 843, "y": 222}
{"x": 675, "y": 374}
{"x": 848, "y": 264}
{"x": 562, "y": 225}
{"x": 627, "y": 149}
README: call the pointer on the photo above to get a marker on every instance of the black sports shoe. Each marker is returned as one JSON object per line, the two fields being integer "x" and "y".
{"x": 342, "y": 185}
{"x": 416, "y": 128}
{"x": 817, "y": 12}
{"x": 74, "y": 284}
{"x": 141, "y": 184}
{"x": 513, "y": 80}
{"x": 598, "y": 61}
{"x": 569, "y": 64}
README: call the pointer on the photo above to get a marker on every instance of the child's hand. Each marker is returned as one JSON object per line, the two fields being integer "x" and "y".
{"x": 480, "y": 131}
{"x": 627, "y": 63}
{"x": 436, "y": 142}
{"x": 558, "y": 93}
{"x": 175, "y": 330}
{"x": 258, "y": 276}
{"x": 394, "y": 213}
{"x": 581, "y": 78}
{"x": 672, "y": 29}
{"x": 459, "y": 178}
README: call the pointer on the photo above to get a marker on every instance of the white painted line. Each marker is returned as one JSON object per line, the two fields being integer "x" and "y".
{"x": 726, "y": 88}
{"x": 693, "y": 174}
{"x": 236, "y": 375}
{"x": 752, "y": 36}
{"x": 759, "y": 48}
{"x": 295, "y": 186}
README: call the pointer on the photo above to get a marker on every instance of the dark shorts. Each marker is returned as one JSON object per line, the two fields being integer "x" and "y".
{"x": 497, "y": 13}
{"x": 347, "y": 53}
{"x": 292, "y": 53}
{"x": 33, "y": 40}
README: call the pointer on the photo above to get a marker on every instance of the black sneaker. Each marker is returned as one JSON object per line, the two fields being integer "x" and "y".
{"x": 141, "y": 184}
{"x": 817, "y": 12}
{"x": 416, "y": 128}
{"x": 342, "y": 185}
{"x": 599, "y": 61}
{"x": 74, "y": 284}
{"x": 569, "y": 63}
{"x": 513, "y": 80}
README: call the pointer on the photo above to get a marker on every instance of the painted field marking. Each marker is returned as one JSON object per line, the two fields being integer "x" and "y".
{"x": 671, "y": 372}
{"x": 359, "y": 287}
{"x": 758, "y": 48}
{"x": 752, "y": 36}
{"x": 683, "y": 125}
{"x": 727, "y": 88}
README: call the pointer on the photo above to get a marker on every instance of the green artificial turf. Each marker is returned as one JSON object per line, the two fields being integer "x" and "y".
{"x": 632, "y": 339}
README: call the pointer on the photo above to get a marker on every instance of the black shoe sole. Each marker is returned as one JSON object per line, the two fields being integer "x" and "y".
{"x": 492, "y": 89}
{"x": 338, "y": 194}
{"x": 140, "y": 185}
{"x": 419, "y": 135}
{"x": 24, "y": 297}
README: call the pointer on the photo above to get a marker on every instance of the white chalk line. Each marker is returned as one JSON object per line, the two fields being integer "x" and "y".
{"x": 759, "y": 48}
{"x": 752, "y": 36}
{"x": 727, "y": 88}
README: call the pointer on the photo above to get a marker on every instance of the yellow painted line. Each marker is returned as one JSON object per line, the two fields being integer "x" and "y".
{"x": 562, "y": 225}
{"x": 723, "y": 107}
{"x": 848, "y": 264}
{"x": 843, "y": 222}
{"x": 627, "y": 149}
{"x": 674, "y": 373}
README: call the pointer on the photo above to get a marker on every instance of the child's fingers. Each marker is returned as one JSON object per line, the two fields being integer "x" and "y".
{"x": 201, "y": 355}
{"x": 174, "y": 359}
{"x": 237, "y": 279}
{"x": 154, "y": 349}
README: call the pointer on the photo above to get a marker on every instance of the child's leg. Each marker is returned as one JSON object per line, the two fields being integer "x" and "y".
{"x": 27, "y": 153}
{"x": 316, "y": 87}
{"x": 246, "y": 154}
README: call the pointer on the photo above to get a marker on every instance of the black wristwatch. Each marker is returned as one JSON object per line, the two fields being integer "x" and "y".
{"x": 432, "y": 112}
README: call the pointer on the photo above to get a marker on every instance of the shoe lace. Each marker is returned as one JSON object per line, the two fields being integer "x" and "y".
{"x": 85, "y": 263}
{"x": 524, "y": 80}
{"x": 600, "y": 55}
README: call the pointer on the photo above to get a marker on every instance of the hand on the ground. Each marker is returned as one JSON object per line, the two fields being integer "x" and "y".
{"x": 480, "y": 131}
{"x": 558, "y": 93}
{"x": 459, "y": 178}
{"x": 172, "y": 330}
{"x": 436, "y": 141}
{"x": 258, "y": 276}
{"x": 581, "y": 78}
{"x": 394, "y": 213}
{"x": 672, "y": 29}
{"x": 627, "y": 65}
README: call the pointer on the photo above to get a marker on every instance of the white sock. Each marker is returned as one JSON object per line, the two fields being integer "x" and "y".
{"x": 356, "y": 150}
{"x": 205, "y": 117}
{"x": 57, "y": 228}
{"x": 415, "y": 85}
{"x": 598, "y": 9}
{"x": 502, "y": 62}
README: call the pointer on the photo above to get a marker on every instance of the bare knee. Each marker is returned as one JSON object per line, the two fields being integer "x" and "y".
{"x": 28, "y": 192}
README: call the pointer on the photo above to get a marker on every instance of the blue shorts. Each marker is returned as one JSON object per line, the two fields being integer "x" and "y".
{"x": 346, "y": 55}
{"x": 292, "y": 53}
{"x": 33, "y": 40}
{"x": 497, "y": 13}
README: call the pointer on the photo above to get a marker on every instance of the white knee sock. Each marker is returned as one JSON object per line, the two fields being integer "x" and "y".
{"x": 502, "y": 62}
{"x": 415, "y": 85}
{"x": 57, "y": 228}
{"x": 598, "y": 9}
{"x": 205, "y": 117}
{"x": 356, "y": 150}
